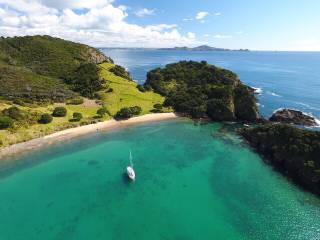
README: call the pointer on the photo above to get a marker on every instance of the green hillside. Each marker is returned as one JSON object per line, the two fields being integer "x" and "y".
{"x": 40, "y": 73}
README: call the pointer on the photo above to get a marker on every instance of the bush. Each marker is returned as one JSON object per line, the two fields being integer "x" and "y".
{"x": 14, "y": 113}
{"x": 126, "y": 113}
{"x": 45, "y": 118}
{"x": 75, "y": 101}
{"x": 120, "y": 71}
{"x": 110, "y": 90}
{"x": 77, "y": 116}
{"x": 102, "y": 111}
{"x": 136, "y": 110}
{"x": 141, "y": 88}
{"x": 59, "y": 112}
{"x": 19, "y": 102}
{"x": 157, "y": 108}
{"x": 6, "y": 122}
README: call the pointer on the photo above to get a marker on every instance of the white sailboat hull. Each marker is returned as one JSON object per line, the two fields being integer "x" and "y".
{"x": 131, "y": 173}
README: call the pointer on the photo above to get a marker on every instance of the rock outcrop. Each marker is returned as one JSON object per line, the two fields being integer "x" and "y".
{"x": 293, "y": 117}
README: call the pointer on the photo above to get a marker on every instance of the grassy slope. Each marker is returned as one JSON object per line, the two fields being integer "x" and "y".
{"x": 125, "y": 94}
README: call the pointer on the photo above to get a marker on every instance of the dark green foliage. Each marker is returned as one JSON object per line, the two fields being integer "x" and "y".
{"x": 19, "y": 102}
{"x": 103, "y": 111}
{"x": 199, "y": 89}
{"x": 6, "y": 122}
{"x": 157, "y": 108}
{"x": 141, "y": 88}
{"x": 110, "y": 90}
{"x": 14, "y": 113}
{"x": 49, "y": 56}
{"x": 23, "y": 84}
{"x": 120, "y": 71}
{"x": 45, "y": 118}
{"x": 59, "y": 112}
{"x": 75, "y": 101}
{"x": 126, "y": 113}
{"x": 36, "y": 67}
{"x": 293, "y": 151}
{"x": 86, "y": 80}
{"x": 245, "y": 103}
{"x": 76, "y": 117}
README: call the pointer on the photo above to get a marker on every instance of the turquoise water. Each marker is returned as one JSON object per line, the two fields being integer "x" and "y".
{"x": 193, "y": 182}
{"x": 287, "y": 79}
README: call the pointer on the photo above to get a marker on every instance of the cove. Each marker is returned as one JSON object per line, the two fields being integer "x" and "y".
{"x": 193, "y": 182}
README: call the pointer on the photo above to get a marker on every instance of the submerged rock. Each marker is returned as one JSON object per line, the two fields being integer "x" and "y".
{"x": 293, "y": 117}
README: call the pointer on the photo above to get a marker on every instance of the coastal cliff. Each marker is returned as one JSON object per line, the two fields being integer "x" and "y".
{"x": 294, "y": 152}
{"x": 199, "y": 89}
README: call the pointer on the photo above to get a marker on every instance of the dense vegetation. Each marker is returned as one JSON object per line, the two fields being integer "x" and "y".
{"x": 45, "y": 118}
{"x": 128, "y": 112}
{"x": 199, "y": 89}
{"x": 43, "y": 68}
{"x": 294, "y": 151}
{"x": 59, "y": 112}
{"x": 120, "y": 72}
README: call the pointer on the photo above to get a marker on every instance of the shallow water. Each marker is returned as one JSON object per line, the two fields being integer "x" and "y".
{"x": 193, "y": 182}
{"x": 287, "y": 79}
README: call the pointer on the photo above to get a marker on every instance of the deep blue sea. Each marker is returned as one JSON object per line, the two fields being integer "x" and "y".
{"x": 287, "y": 79}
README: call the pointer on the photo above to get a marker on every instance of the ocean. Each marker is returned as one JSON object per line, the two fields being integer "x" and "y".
{"x": 287, "y": 79}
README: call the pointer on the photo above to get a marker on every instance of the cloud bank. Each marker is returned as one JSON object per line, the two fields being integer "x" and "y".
{"x": 96, "y": 22}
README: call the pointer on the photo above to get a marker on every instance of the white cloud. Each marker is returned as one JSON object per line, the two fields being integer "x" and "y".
{"x": 187, "y": 19}
{"x": 217, "y": 14}
{"x": 100, "y": 24}
{"x": 191, "y": 35}
{"x": 206, "y": 35}
{"x": 201, "y": 15}
{"x": 144, "y": 12}
{"x": 219, "y": 36}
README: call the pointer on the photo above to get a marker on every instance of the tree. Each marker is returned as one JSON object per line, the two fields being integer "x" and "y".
{"x": 86, "y": 80}
{"x": 59, "y": 112}
{"x": 77, "y": 116}
{"x": 126, "y": 112}
{"x": 45, "y": 118}
{"x": 103, "y": 111}
{"x": 6, "y": 122}
{"x": 14, "y": 113}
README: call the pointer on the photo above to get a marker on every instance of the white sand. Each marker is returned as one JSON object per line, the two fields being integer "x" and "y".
{"x": 82, "y": 130}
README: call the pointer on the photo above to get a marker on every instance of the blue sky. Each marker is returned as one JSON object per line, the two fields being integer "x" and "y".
{"x": 253, "y": 24}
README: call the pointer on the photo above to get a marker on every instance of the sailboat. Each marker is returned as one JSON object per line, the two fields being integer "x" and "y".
{"x": 130, "y": 171}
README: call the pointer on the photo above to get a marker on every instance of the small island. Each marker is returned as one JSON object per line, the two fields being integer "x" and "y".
{"x": 205, "y": 48}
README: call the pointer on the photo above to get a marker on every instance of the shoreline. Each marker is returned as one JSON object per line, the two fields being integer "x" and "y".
{"x": 71, "y": 133}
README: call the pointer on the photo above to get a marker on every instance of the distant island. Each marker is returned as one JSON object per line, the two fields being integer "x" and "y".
{"x": 204, "y": 48}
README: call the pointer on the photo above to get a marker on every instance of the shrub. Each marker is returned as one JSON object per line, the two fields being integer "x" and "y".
{"x": 77, "y": 116}
{"x": 102, "y": 111}
{"x": 136, "y": 110}
{"x": 110, "y": 90}
{"x": 75, "y": 101}
{"x": 157, "y": 108}
{"x": 126, "y": 113}
{"x": 14, "y": 113}
{"x": 6, "y": 122}
{"x": 19, "y": 102}
{"x": 45, "y": 118}
{"x": 59, "y": 112}
{"x": 141, "y": 88}
{"x": 120, "y": 71}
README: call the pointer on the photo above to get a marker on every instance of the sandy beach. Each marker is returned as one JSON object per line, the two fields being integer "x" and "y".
{"x": 82, "y": 130}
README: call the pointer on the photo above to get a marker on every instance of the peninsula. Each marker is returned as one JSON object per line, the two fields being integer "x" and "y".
{"x": 205, "y": 48}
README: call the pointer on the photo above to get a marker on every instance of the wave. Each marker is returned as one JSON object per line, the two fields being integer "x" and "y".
{"x": 257, "y": 90}
{"x": 274, "y": 94}
{"x": 307, "y": 106}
